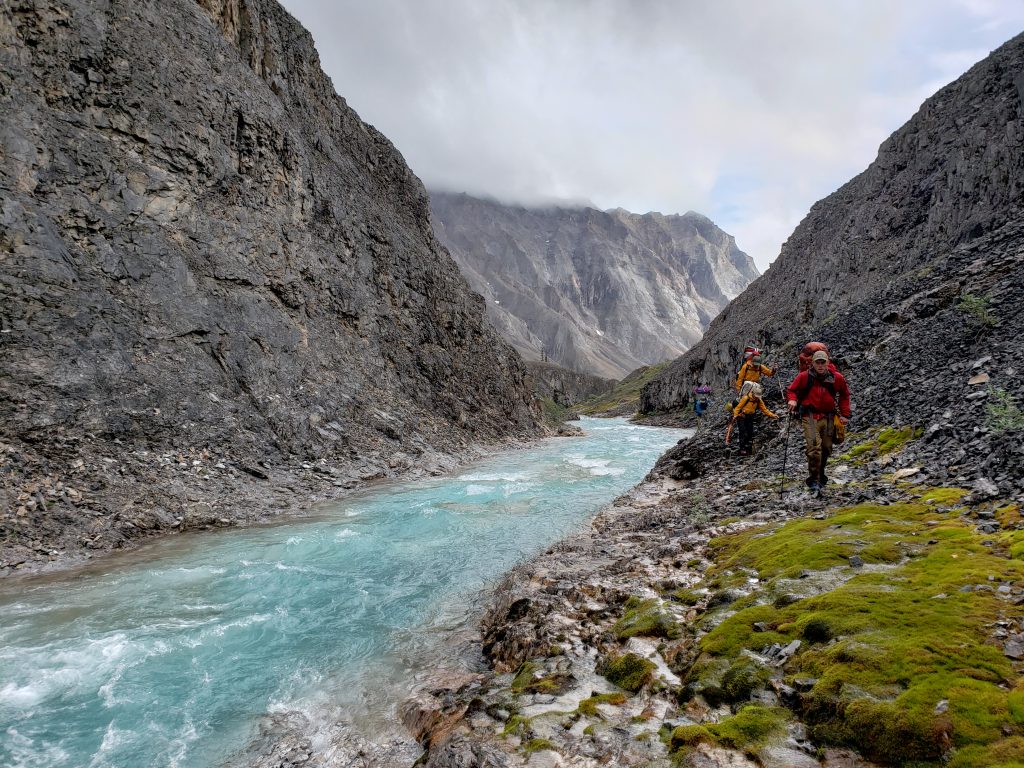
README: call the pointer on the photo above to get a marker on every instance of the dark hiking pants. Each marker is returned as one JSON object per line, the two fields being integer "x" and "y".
{"x": 745, "y": 427}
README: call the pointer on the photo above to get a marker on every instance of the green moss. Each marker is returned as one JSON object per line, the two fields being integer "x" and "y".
{"x": 527, "y": 681}
{"x": 588, "y": 707}
{"x": 690, "y": 735}
{"x": 751, "y": 727}
{"x": 748, "y": 730}
{"x": 516, "y": 725}
{"x": 645, "y": 618}
{"x": 538, "y": 745}
{"x": 686, "y": 596}
{"x": 742, "y": 679}
{"x": 629, "y": 671}
{"x": 1006, "y": 753}
{"x": 885, "y": 646}
{"x": 884, "y": 730}
{"x": 943, "y": 497}
{"x": 881, "y": 442}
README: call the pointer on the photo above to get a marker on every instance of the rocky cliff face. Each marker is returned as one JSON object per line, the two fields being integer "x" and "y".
{"x": 565, "y": 387}
{"x": 213, "y": 272}
{"x": 598, "y": 292}
{"x": 912, "y": 272}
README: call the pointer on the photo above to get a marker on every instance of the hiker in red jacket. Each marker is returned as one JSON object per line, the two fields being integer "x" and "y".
{"x": 819, "y": 392}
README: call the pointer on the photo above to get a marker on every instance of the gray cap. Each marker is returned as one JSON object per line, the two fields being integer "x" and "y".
{"x": 820, "y": 355}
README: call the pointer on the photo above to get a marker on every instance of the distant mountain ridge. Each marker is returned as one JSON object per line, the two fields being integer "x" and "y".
{"x": 600, "y": 292}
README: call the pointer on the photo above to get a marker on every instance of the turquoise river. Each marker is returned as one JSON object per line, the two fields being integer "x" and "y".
{"x": 171, "y": 655}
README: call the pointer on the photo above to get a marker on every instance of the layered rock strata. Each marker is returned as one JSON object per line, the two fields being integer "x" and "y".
{"x": 601, "y": 292}
{"x": 217, "y": 282}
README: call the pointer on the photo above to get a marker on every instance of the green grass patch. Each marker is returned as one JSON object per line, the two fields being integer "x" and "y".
{"x": 625, "y": 392}
{"x": 885, "y": 646}
{"x": 1001, "y": 412}
{"x": 646, "y": 618}
{"x": 628, "y": 671}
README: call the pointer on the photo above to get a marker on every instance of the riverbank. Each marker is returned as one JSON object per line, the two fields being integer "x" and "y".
{"x": 110, "y": 497}
{"x": 704, "y": 620}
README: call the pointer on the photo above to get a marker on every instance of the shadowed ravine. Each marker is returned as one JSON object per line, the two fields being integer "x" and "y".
{"x": 170, "y": 655}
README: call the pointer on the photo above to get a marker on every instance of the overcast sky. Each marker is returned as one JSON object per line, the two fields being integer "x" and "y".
{"x": 745, "y": 111}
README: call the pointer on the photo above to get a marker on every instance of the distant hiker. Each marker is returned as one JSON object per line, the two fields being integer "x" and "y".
{"x": 745, "y": 411}
{"x": 752, "y": 370}
{"x": 701, "y": 399}
{"x": 700, "y": 406}
{"x": 818, "y": 392}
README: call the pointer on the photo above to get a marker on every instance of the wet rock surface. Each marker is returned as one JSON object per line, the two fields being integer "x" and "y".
{"x": 220, "y": 294}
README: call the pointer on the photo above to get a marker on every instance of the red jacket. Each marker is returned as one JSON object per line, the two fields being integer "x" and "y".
{"x": 818, "y": 400}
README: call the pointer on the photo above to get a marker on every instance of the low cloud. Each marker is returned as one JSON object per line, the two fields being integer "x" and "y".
{"x": 745, "y": 112}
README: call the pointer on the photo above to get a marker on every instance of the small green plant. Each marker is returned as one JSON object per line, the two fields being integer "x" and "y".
{"x": 1002, "y": 414}
{"x": 976, "y": 309}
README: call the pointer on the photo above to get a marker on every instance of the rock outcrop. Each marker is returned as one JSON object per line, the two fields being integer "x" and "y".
{"x": 213, "y": 273}
{"x": 565, "y": 387}
{"x": 596, "y": 292}
{"x": 912, "y": 273}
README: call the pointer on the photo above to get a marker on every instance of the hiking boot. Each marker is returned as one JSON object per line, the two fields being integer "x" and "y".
{"x": 811, "y": 483}
{"x": 822, "y": 480}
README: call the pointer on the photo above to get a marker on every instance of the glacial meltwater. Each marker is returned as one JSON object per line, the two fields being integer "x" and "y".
{"x": 170, "y": 656}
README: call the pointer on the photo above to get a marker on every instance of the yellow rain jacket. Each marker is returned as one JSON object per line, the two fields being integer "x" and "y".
{"x": 750, "y": 371}
{"x": 749, "y": 405}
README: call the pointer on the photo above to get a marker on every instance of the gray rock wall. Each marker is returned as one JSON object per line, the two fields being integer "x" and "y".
{"x": 204, "y": 250}
{"x": 565, "y": 387}
{"x": 886, "y": 271}
{"x": 601, "y": 292}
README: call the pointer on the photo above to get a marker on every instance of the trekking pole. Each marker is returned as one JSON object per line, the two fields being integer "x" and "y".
{"x": 785, "y": 454}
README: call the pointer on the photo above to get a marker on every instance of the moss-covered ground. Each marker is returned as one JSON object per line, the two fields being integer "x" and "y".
{"x": 898, "y": 645}
{"x": 646, "y": 618}
{"x": 879, "y": 441}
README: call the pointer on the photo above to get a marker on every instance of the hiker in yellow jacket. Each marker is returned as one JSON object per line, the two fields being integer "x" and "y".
{"x": 752, "y": 370}
{"x": 744, "y": 413}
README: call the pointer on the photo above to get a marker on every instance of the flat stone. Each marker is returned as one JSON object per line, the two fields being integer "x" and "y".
{"x": 899, "y": 474}
{"x": 981, "y": 378}
{"x": 1014, "y": 650}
